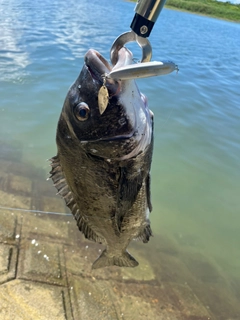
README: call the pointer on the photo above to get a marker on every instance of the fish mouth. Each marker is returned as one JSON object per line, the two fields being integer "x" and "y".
{"x": 97, "y": 65}
{"x": 98, "y": 68}
{"x": 137, "y": 135}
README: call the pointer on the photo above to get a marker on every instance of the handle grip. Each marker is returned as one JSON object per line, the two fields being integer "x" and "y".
{"x": 146, "y": 14}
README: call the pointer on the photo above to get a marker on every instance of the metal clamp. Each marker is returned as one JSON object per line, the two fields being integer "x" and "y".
{"x": 131, "y": 36}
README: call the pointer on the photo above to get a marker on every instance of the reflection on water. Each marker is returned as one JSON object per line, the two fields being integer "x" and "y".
{"x": 13, "y": 58}
{"x": 194, "y": 256}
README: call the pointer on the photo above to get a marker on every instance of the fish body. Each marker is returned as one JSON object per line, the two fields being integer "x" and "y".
{"x": 102, "y": 167}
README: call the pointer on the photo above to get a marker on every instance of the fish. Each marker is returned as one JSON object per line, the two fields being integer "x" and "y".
{"x": 104, "y": 152}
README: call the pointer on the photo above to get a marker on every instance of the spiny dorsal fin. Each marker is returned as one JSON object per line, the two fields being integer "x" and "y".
{"x": 59, "y": 181}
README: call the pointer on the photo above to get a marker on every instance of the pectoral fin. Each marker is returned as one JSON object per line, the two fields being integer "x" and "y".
{"x": 148, "y": 192}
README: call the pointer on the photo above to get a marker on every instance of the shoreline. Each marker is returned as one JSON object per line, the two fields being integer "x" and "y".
{"x": 197, "y": 12}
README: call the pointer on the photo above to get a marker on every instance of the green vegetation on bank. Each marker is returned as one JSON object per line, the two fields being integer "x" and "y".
{"x": 213, "y": 8}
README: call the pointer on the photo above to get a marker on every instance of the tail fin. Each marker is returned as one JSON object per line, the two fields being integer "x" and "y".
{"x": 124, "y": 260}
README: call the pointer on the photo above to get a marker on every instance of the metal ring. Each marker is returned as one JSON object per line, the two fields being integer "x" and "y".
{"x": 131, "y": 36}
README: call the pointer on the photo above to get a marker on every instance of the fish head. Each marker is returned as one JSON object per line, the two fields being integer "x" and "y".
{"x": 121, "y": 128}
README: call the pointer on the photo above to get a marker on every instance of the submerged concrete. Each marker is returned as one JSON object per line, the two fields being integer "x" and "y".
{"x": 45, "y": 267}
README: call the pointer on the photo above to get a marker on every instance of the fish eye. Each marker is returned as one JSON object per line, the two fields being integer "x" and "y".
{"x": 82, "y": 111}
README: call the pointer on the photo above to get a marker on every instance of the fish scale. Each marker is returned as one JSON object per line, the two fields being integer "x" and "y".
{"x": 102, "y": 167}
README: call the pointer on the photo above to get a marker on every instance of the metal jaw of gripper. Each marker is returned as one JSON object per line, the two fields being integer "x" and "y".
{"x": 127, "y": 37}
{"x": 146, "y": 14}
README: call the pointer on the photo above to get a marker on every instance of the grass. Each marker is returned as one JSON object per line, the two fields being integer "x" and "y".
{"x": 212, "y": 8}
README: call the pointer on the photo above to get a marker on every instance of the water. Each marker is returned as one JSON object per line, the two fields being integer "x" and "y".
{"x": 196, "y": 171}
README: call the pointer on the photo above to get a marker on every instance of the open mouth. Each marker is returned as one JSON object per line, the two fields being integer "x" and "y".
{"x": 97, "y": 65}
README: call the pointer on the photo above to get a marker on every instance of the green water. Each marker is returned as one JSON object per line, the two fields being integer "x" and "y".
{"x": 196, "y": 171}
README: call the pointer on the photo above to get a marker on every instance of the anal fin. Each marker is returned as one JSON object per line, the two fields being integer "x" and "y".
{"x": 145, "y": 234}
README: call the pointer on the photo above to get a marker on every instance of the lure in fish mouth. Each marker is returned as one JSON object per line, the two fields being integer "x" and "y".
{"x": 102, "y": 168}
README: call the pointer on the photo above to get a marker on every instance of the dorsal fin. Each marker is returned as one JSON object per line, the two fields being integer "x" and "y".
{"x": 59, "y": 181}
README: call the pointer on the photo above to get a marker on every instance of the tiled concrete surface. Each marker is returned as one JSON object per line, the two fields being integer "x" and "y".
{"x": 45, "y": 267}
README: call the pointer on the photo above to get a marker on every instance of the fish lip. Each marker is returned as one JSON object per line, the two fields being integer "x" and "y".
{"x": 114, "y": 138}
{"x": 130, "y": 155}
{"x": 96, "y": 64}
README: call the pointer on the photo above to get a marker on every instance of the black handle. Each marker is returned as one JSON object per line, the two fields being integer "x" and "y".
{"x": 147, "y": 12}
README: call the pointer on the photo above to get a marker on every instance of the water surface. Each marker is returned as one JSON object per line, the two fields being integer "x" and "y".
{"x": 196, "y": 171}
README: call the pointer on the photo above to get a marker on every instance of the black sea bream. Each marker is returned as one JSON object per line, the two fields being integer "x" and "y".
{"x": 104, "y": 158}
